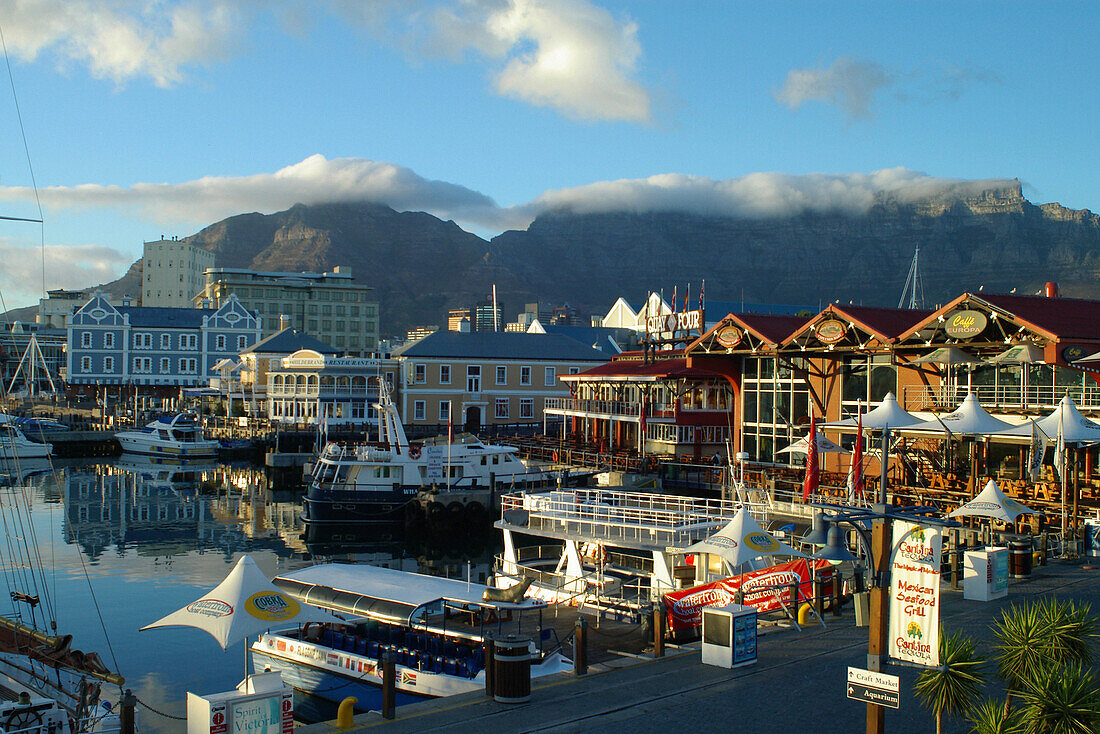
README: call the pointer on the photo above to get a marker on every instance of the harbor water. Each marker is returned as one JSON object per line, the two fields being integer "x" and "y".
{"x": 123, "y": 543}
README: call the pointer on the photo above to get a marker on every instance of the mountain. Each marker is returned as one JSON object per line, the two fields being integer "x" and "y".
{"x": 421, "y": 265}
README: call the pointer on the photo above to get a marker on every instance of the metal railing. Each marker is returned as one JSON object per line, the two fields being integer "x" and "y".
{"x": 607, "y": 407}
{"x": 920, "y": 397}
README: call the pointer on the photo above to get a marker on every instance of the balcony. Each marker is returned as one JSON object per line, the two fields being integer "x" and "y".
{"x": 1009, "y": 398}
{"x": 594, "y": 408}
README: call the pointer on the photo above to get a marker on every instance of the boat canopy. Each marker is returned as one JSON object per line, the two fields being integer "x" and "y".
{"x": 384, "y": 593}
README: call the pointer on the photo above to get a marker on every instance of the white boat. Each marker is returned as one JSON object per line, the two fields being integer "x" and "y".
{"x": 14, "y": 445}
{"x": 433, "y": 627}
{"x": 372, "y": 482}
{"x": 176, "y": 437}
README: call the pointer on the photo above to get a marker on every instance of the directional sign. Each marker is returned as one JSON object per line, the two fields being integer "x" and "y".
{"x": 873, "y": 687}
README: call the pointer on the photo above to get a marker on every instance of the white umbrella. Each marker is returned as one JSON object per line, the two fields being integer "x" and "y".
{"x": 969, "y": 419}
{"x": 802, "y": 446}
{"x": 1076, "y": 428}
{"x": 946, "y": 355}
{"x": 242, "y": 605}
{"x": 742, "y": 540}
{"x": 993, "y": 503}
{"x": 1019, "y": 354}
{"x": 887, "y": 413}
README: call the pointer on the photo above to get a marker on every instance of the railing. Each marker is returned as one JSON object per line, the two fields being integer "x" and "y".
{"x": 919, "y": 397}
{"x": 326, "y": 390}
{"x": 607, "y": 407}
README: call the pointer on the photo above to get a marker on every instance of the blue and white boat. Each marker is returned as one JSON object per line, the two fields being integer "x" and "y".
{"x": 170, "y": 437}
{"x": 435, "y": 628}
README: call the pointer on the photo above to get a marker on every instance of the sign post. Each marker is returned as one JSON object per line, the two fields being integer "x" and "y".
{"x": 879, "y": 689}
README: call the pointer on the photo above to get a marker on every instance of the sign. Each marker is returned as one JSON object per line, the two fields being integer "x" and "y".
{"x": 257, "y": 716}
{"x": 670, "y": 322}
{"x": 767, "y": 589}
{"x": 914, "y": 608}
{"x": 965, "y": 324}
{"x": 272, "y": 606}
{"x": 1074, "y": 353}
{"x": 830, "y": 331}
{"x": 729, "y": 336}
{"x": 871, "y": 687}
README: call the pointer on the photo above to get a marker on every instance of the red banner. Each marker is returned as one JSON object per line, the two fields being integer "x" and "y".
{"x": 767, "y": 590}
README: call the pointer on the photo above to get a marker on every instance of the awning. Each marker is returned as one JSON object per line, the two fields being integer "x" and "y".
{"x": 1076, "y": 428}
{"x": 969, "y": 419}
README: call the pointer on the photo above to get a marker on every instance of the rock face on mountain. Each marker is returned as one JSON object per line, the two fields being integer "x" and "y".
{"x": 421, "y": 266}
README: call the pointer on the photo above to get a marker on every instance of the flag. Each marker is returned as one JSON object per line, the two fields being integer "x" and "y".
{"x": 1039, "y": 442}
{"x": 641, "y": 427}
{"x": 813, "y": 473}
{"x": 674, "y": 288}
{"x": 855, "y": 470}
{"x": 701, "y": 287}
{"x": 450, "y": 426}
{"x": 1060, "y": 448}
{"x": 687, "y": 296}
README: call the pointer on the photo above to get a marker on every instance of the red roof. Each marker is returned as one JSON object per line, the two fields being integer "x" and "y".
{"x": 661, "y": 369}
{"x": 773, "y": 327}
{"x": 890, "y": 322}
{"x": 1065, "y": 318}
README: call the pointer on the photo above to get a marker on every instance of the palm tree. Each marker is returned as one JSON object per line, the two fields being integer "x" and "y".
{"x": 1022, "y": 642}
{"x": 956, "y": 684}
{"x": 1062, "y": 700}
{"x": 993, "y": 717}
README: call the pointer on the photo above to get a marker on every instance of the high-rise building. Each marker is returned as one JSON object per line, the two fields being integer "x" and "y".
{"x": 328, "y": 306}
{"x": 456, "y": 316}
{"x": 488, "y": 316}
{"x": 172, "y": 273}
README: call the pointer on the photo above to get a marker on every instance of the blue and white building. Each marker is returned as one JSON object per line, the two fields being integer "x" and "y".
{"x": 143, "y": 345}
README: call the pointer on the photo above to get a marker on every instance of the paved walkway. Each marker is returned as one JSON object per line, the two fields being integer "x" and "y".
{"x": 798, "y": 684}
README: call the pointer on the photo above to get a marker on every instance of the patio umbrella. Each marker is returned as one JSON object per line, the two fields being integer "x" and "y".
{"x": 244, "y": 604}
{"x": 946, "y": 355}
{"x": 1076, "y": 428}
{"x": 1018, "y": 354}
{"x": 887, "y": 413}
{"x": 742, "y": 540}
{"x": 969, "y": 419}
{"x": 991, "y": 502}
{"x": 802, "y": 446}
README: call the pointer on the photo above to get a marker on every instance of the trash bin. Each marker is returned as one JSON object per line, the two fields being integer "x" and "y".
{"x": 512, "y": 674}
{"x": 1092, "y": 538}
{"x": 1020, "y": 558}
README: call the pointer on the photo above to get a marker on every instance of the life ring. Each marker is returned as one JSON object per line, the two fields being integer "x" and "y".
{"x": 555, "y": 457}
{"x": 414, "y": 452}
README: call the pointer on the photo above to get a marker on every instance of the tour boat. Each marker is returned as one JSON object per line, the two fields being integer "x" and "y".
{"x": 170, "y": 437}
{"x": 14, "y": 445}
{"x": 433, "y": 627}
{"x": 373, "y": 482}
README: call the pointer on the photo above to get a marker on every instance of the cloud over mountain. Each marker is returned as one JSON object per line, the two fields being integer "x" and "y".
{"x": 850, "y": 84}
{"x": 68, "y": 266}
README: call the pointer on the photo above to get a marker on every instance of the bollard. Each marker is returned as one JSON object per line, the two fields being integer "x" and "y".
{"x": 804, "y": 614}
{"x": 490, "y": 656}
{"x": 126, "y": 714}
{"x": 1044, "y": 537}
{"x": 580, "y": 647}
{"x": 819, "y": 596}
{"x": 792, "y": 595}
{"x": 834, "y": 603}
{"x": 659, "y": 630}
{"x": 346, "y": 712}
{"x": 389, "y": 684}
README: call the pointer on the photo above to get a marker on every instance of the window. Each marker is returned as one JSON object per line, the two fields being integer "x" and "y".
{"x": 550, "y": 376}
{"x": 242, "y": 342}
{"x": 418, "y": 410}
{"x": 143, "y": 340}
{"x": 444, "y": 411}
{"x": 86, "y": 339}
{"x": 420, "y": 372}
{"x": 473, "y": 378}
{"x": 501, "y": 408}
{"x": 526, "y": 408}
{"x": 188, "y": 365}
{"x": 165, "y": 341}
{"x": 143, "y": 365}
{"x": 502, "y": 375}
{"x": 108, "y": 364}
{"x": 165, "y": 365}
{"x": 525, "y": 375}
{"x": 85, "y": 364}
{"x": 189, "y": 341}
{"x": 444, "y": 374}
{"x": 108, "y": 340}
{"x": 574, "y": 370}
{"x": 219, "y": 342}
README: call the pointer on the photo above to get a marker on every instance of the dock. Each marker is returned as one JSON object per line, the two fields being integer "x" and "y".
{"x": 798, "y": 683}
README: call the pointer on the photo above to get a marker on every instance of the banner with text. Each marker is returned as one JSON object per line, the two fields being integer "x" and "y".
{"x": 767, "y": 590}
{"x": 915, "y": 593}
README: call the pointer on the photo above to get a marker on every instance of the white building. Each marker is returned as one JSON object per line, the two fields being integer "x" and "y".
{"x": 172, "y": 273}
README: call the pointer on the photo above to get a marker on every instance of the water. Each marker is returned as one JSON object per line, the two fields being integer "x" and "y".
{"x": 126, "y": 543}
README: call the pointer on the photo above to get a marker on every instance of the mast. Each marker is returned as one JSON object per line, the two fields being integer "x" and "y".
{"x": 914, "y": 286}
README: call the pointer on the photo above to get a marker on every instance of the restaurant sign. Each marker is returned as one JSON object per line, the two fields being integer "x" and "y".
{"x": 915, "y": 593}
{"x": 965, "y": 324}
{"x": 830, "y": 331}
{"x": 684, "y": 321}
{"x": 729, "y": 336}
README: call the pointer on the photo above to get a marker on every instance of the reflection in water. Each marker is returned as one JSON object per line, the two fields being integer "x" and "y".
{"x": 154, "y": 537}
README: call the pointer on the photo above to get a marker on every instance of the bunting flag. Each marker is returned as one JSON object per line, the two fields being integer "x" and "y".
{"x": 855, "y": 471}
{"x": 1039, "y": 443}
{"x": 813, "y": 472}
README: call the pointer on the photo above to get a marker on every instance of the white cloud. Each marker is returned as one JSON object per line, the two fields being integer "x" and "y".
{"x": 67, "y": 266}
{"x": 850, "y": 84}
{"x": 569, "y": 55}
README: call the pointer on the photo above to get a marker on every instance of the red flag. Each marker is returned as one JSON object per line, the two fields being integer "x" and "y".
{"x": 687, "y": 294}
{"x": 855, "y": 471}
{"x": 641, "y": 424}
{"x": 813, "y": 472}
{"x": 701, "y": 287}
{"x": 674, "y": 298}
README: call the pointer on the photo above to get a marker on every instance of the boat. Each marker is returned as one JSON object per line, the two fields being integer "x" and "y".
{"x": 374, "y": 482}
{"x": 14, "y": 445}
{"x": 170, "y": 437}
{"x": 435, "y": 628}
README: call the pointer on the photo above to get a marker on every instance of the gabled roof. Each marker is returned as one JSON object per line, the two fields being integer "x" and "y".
{"x": 289, "y": 341}
{"x": 597, "y": 337}
{"x": 884, "y": 324}
{"x": 500, "y": 345}
{"x": 1063, "y": 318}
{"x": 770, "y": 327}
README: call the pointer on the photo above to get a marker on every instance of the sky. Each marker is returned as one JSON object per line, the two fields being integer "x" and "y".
{"x": 146, "y": 118}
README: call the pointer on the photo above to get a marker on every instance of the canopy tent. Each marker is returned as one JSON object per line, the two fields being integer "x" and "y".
{"x": 242, "y": 605}
{"x": 991, "y": 502}
{"x": 802, "y": 446}
{"x": 969, "y": 419}
{"x": 1076, "y": 428}
{"x": 1094, "y": 357}
{"x": 946, "y": 355}
{"x": 888, "y": 413}
{"x": 1019, "y": 354}
{"x": 742, "y": 540}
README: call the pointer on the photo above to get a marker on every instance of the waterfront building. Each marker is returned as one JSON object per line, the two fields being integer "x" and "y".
{"x": 486, "y": 378}
{"x": 144, "y": 345}
{"x": 258, "y": 359}
{"x": 313, "y": 388}
{"x": 330, "y": 306}
{"x": 55, "y": 310}
{"x": 172, "y": 273}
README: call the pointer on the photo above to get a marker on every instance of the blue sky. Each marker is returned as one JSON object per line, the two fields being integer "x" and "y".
{"x": 145, "y": 119}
